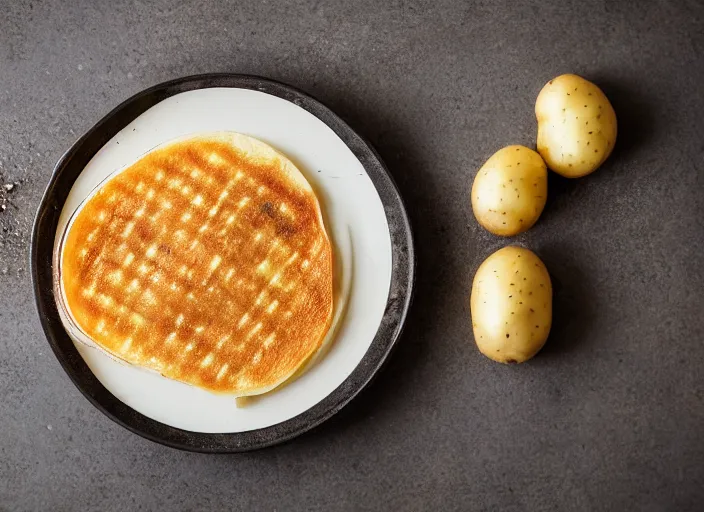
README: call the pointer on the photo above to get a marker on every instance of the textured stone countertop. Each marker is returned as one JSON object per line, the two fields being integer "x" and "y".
{"x": 610, "y": 416}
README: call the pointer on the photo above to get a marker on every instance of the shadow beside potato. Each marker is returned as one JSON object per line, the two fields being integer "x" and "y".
{"x": 636, "y": 116}
{"x": 574, "y": 300}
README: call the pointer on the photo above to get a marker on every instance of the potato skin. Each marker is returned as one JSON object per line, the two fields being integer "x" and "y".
{"x": 511, "y": 305}
{"x": 576, "y": 126}
{"x": 510, "y": 190}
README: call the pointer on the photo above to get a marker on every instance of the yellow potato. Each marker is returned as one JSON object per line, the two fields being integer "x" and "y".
{"x": 511, "y": 305}
{"x": 509, "y": 191}
{"x": 576, "y": 126}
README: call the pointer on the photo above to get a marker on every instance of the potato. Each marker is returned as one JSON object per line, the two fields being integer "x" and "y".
{"x": 511, "y": 305}
{"x": 576, "y": 126}
{"x": 509, "y": 191}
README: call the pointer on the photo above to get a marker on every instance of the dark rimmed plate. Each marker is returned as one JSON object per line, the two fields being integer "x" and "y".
{"x": 67, "y": 172}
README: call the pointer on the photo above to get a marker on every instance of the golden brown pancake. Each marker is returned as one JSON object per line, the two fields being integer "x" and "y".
{"x": 206, "y": 260}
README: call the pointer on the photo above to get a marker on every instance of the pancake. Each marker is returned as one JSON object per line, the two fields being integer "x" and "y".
{"x": 207, "y": 260}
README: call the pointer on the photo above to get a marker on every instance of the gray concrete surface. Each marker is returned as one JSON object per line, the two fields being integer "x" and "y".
{"x": 609, "y": 417}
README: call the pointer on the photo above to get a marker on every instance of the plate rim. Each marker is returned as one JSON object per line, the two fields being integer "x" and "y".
{"x": 64, "y": 175}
